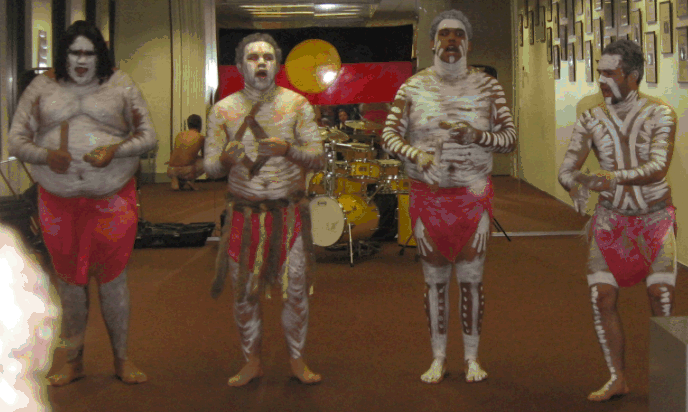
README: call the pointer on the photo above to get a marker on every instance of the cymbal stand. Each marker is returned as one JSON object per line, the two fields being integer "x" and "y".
{"x": 330, "y": 179}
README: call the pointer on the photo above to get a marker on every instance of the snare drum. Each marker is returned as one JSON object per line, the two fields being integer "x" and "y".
{"x": 342, "y": 185}
{"x": 330, "y": 219}
{"x": 355, "y": 151}
{"x": 364, "y": 171}
{"x": 389, "y": 167}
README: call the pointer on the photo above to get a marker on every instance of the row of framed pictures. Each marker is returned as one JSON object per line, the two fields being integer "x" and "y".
{"x": 567, "y": 10}
{"x": 573, "y": 48}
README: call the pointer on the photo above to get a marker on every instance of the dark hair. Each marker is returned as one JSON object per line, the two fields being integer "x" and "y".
{"x": 632, "y": 58}
{"x": 453, "y": 15}
{"x": 82, "y": 28}
{"x": 239, "y": 57}
{"x": 194, "y": 122}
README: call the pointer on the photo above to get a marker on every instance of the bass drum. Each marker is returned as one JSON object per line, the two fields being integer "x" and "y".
{"x": 330, "y": 218}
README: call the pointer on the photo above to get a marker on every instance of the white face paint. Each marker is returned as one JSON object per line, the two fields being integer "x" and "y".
{"x": 457, "y": 51}
{"x": 81, "y": 61}
{"x": 259, "y": 65}
{"x": 609, "y": 62}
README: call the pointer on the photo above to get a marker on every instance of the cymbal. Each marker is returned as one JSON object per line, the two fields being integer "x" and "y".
{"x": 333, "y": 135}
{"x": 363, "y": 125}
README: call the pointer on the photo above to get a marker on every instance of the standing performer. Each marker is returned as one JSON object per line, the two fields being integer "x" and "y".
{"x": 267, "y": 235}
{"x": 454, "y": 118}
{"x": 632, "y": 232}
{"x": 83, "y": 128}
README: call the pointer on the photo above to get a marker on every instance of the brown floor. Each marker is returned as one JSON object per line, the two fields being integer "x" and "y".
{"x": 368, "y": 332}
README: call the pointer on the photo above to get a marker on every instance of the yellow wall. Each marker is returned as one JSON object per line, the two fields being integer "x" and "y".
{"x": 547, "y": 112}
{"x": 143, "y": 50}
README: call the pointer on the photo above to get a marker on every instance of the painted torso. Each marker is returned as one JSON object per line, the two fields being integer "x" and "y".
{"x": 285, "y": 115}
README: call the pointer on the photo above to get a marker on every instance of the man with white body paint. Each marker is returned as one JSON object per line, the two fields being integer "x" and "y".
{"x": 445, "y": 123}
{"x": 267, "y": 234}
{"x": 632, "y": 232}
{"x": 83, "y": 128}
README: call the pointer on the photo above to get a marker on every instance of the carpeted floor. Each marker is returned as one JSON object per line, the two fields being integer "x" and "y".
{"x": 368, "y": 332}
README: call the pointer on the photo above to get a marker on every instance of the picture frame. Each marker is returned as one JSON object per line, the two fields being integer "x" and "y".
{"x": 579, "y": 39}
{"x": 623, "y": 13}
{"x": 549, "y": 45}
{"x": 651, "y": 11}
{"x": 536, "y": 9}
{"x": 681, "y": 8}
{"x": 531, "y": 27}
{"x": 608, "y": 14}
{"x": 607, "y": 41}
{"x": 588, "y": 62}
{"x": 650, "y": 57}
{"x": 555, "y": 19}
{"x": 666, "y": 27}
{"x": 637, "y": 27}
{"x": 588, "y": 16}
{"x": 563, "y": 39}
{"x": 520, "y": 30}
{"x": 548, "y": 9}
{"x": 682, "y": 49}
{"x": 525, "y": 17}
{"x": 578, "y": 7}
{"x": 562, "y": 10}
{"x": 542, "y": 36}
{"x": 571, "y": 12}
{"x": 597, "y": 5}
{"x": 598, "y": 33}
{"x": 556, "y": 63}
{"x": 572, "y": 62}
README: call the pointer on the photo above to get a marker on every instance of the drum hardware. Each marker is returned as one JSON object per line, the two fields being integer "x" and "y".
{"x": 363, "y": 125}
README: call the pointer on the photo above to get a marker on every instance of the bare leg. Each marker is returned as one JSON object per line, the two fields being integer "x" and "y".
{"x": 248, "y": 317}
{"x": 114, "y": 302}
{"x": 74, "y": 318}
{"x": 611, "y": 338}
{"x": 295, "y": 315}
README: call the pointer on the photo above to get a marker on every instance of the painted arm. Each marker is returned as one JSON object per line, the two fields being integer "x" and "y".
{"x": 308, "y": 151}
{"x": 26, "y": 123}
{"x": 577, "y": 152}
{"x": 662, "y": 128}
{"x": 142, "y": 138}
{"x": 502, "y": 138}
{"x": 395, "y": 128}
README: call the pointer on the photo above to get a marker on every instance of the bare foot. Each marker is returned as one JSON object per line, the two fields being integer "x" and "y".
{"x": 127, "y": 372}
{"x": 474, "y": 372}
{"x": 436, "y": 372}
{"x": 250, "y": 371}
{"x": 615, "y": 387}
{"x": 174, "y": 184}
{"x": 302, "y": 373}
{"x": 70, "y": 372}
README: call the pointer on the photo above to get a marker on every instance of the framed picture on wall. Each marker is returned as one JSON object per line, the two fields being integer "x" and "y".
{"x": 531, "y": 27}
{"x": 588, "y": 62}
{"x": 579, "y": 7}
{"x": 666, "y": 27}
{"x": 637, "y": 27}
{"x": 608, "y": 14}
{"x": 651, "y": 11}
{"x": 597, "y": 4}
{"x": 579, "y": 39}
{"x": 549, "y": 45}
{"x": 682, "y": 33}
{"x": 556, "y": 62}
{"x": 562, "y": 10}
{"x": 681, "y": 8}
{"x": 571, "y": 12}
{"x": 572, "y": 62}
{"x": 541, "y": 28}
{"x": 623, "y": 13}
{"x": 608, "y": 40}
{"x": 548, "y": 9}
{"x": 588, "y": 16}
{"x": 650, "y": 58}
{"x": 536, "y": 8}
{"x": 520, "y": 30}
{"x": 598, "y": 30}
{"x": 555, "y": 19}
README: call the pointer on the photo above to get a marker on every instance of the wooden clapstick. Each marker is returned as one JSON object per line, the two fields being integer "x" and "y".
{"x": 64, "y": 136}
{"x": 245, "y": 160}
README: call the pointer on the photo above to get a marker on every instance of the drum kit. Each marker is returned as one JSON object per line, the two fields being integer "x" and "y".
{"x": 347, "y": 196}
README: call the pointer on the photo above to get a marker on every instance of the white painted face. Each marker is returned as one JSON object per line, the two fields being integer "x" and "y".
{"x": 259, "y": 66}
{"x": 81, "y": 61}
{"x": 609, "y": 69}
{"x": 451, "y": 40}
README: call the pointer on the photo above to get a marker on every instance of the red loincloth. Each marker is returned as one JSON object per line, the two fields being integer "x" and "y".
{"x": 628, "y": 258}
{"x": 450, "y": 215}
{"x": 234, "y": 247}
{"x": 89, "y": 235}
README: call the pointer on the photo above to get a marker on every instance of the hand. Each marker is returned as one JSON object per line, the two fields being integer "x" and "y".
{"x": 273, "y": 147}
{"x": 59, "y": 160}
{"x": 427, "y": 166}
{"x": 461, "y": 132}
{"x": 580, "y": 195}
{"x": 234, "y": 153}
{"x": 599, "y": 181}
{"x": 101, "y": 156}
{"x": 482, "y": 233}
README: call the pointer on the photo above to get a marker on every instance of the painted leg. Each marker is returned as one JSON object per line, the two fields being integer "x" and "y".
{"x": 114, "y": 302}
{"x": 610, "y": 335}
{"x": 74, "y": 318}
{"x": 295, "y": 315}
{"x": 437, "y": 310}
{"x": 661, "y": 299}
{"x": 472, "y": 308}
{"x": 248, "y": 317}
